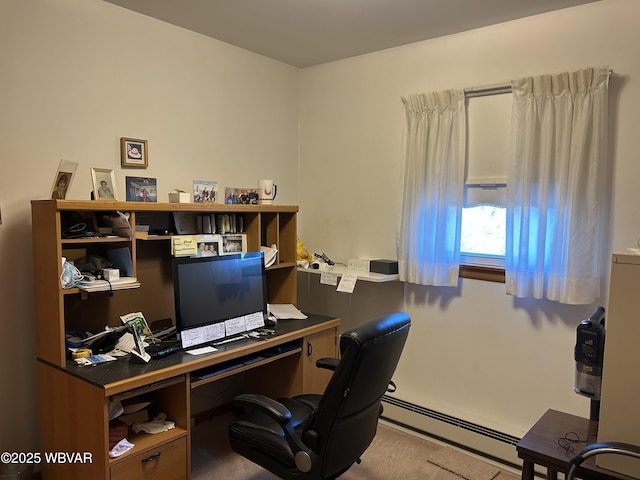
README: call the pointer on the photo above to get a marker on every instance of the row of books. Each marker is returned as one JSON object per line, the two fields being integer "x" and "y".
{"x": 219, "y": 223}
{"x": 208, "y": 223}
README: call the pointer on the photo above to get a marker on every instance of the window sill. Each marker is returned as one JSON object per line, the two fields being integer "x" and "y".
{"x": 481, "y": 272}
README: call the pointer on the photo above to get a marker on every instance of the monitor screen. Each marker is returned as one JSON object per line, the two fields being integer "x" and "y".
{"x": 217, "y": 297}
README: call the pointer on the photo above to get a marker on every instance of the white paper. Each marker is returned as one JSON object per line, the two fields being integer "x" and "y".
{"x": 347, "y": 283}
{"x": 214, "y": 331}
{"x": 186, "y": 223}
{"x": 233, "y": 326}
{"x": 126, "y": 343}
{"x": 203, "y": 334}
{"x": 328, "y": 278}
{"x": 200, "y": 351}
{"x": 285, "y": 311}
{"x": 254, "y": 320}
{"x": 134, "y": 407}
{"x": 123, "y": 446}
{"x": 193, "y": 336}
{"x": 270, "y": 254}
{"x": 115, "y": 409}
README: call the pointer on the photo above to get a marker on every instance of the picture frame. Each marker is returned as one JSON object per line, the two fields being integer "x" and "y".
{"x": 209, "y": 245}
{"x": 141, "y": 189}
{"x": 104, "y": 184}
{"x": 205, "y": 191}
{"x": 243, "y": 196}
{"x": 234, "y": 243}
{"x": 134, "y": 152}
{"x": 62, "y": 181}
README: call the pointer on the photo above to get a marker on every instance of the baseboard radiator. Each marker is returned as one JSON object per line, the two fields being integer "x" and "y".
{"x": 477, "y": 439}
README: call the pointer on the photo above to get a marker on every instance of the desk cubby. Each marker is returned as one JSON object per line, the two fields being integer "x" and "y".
{"x": 169, "y": 397}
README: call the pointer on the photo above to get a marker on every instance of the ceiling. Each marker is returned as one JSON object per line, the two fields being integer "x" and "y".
{"x": 309, "y": 32}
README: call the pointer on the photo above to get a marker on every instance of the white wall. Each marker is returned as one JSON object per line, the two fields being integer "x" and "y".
{"x": 473, "y": 352}
{"x": 76, "y": 76}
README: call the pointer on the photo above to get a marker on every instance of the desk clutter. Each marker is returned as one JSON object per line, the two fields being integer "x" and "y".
{"x": 132, "y": 416}
{"x": 70, "y": 313}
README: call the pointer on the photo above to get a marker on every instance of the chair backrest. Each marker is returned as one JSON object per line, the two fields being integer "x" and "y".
{"x": 346, "y": 419}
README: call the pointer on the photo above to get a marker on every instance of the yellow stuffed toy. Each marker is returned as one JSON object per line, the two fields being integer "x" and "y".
{"x": 303, "y": 255}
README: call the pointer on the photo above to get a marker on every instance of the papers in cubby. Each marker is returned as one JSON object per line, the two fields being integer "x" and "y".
{"x": 285, "y": 311}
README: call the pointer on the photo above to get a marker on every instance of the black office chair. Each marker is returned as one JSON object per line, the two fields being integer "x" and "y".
{"x": 601, "y": 448}
{"x": 321, "y": 436}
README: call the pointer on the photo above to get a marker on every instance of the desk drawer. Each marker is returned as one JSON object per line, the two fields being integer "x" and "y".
{"x": 168, "y": 461}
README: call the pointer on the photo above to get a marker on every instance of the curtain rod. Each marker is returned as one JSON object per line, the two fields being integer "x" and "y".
{"x": 497, "y": 89}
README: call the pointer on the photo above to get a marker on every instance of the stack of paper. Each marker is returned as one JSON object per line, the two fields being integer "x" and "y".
{"x": 285, "y": 311}
{"x": 105, "y": 286}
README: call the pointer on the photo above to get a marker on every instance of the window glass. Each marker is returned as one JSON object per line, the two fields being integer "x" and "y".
{"x": 484, "y": 209}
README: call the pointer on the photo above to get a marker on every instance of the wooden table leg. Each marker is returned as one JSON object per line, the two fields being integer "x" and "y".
{"x": 527, "y": 470}
{"x": 552, "y": 474}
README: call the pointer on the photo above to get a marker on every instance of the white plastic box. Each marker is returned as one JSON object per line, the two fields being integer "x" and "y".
{"x": 179, "y": 197}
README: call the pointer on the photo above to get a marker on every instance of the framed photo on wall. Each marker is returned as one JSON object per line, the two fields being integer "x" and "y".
{"x": 134, "y": 153}
{"x": 104, "y": 184}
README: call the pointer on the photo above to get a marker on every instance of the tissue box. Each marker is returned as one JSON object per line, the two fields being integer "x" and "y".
{"x": 179, "y": 197}
{"x": 111, "y": 274}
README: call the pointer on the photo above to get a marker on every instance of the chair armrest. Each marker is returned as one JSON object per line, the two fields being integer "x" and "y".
{"x": 594, "y": 449}
{"x": 274, "y": 409}
{"x": 327, "y": 363}
{"x": 305, "y": 458}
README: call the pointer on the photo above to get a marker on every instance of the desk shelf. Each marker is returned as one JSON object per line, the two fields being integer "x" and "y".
{"x": 341, "y": 270}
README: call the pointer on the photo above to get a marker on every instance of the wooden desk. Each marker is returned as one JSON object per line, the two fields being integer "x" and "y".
{"x": 74, "y": 400}
{"x": 541, "y": 446}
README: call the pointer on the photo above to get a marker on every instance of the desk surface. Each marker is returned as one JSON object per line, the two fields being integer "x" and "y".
{"x": 542, "y": 444}
{"x": 121, "y": 375}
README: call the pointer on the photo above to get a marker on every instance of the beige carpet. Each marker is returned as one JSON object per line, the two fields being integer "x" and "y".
{"x": 393, "y": 454}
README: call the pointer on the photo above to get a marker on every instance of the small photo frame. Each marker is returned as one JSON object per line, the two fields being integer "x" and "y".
{"x": 236, "y": 243}
{"x": 104, "y": 184}
{"x": 141, "y": 189}
{"x": 209, "y": 245}
{"x": 64, "y": 176}
{"x": 244, "y": 196}
{"x": 134, "y": 152}
{"x": 205, "y": 191}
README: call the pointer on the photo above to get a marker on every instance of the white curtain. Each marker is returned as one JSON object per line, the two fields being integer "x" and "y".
{"x": 429, "y": 226}
{"x": 555, "y": 186}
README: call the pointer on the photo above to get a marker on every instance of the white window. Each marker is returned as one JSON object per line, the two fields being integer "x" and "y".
{"x": 484, "y": 210}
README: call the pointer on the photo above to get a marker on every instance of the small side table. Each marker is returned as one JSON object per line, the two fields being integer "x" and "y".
{"x": 540, "y": 446}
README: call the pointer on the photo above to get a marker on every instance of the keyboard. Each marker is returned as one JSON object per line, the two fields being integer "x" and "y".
{"x": 162, "y": 349}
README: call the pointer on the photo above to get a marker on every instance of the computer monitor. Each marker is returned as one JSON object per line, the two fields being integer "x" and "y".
{"x": 218, "y": 297}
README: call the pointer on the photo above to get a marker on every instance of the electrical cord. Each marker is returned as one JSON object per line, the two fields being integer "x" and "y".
{"x": 110, "y": 287}
{"x": 570, "y": 439}
{"x": 75, "y": 338}
{"x": 77, "y": 230}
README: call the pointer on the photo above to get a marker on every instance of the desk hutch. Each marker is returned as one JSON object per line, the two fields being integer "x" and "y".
{"x": 74, "y": 401}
